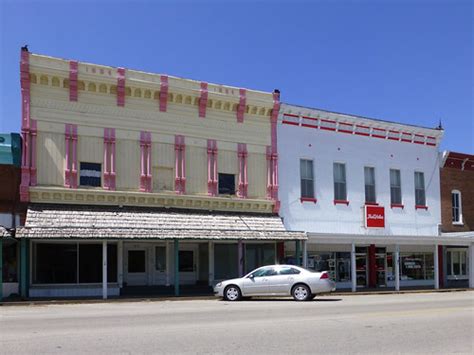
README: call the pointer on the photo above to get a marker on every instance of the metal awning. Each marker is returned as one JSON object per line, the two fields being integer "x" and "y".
{"x": 100, "y": 222}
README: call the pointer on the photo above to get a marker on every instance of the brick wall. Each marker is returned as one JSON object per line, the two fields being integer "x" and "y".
{"x": 457, "y": 179}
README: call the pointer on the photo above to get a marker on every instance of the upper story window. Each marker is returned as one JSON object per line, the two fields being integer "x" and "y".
{"x": 226, "y": 184}
{"x": 90, "y": 174}
{"x": 395, "y": 187}
{"x": 307, "y": 180}
{"x": 420, "y": 196}
{"x": 456, "y": 207}
{"x": 369, "y": 178}
{"x": 340, "y": 190}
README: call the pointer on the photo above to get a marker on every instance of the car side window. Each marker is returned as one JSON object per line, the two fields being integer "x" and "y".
{"x": 289, "y": 271}
{"x": 266, "y": 271}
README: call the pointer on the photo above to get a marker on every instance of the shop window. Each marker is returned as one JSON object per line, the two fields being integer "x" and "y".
{"x": 420, "y": 197}
{"x": 90, "y": 174}
{"x": 136, "y": 261}
{"x": 186, "y": 261}
{"x": 257, "y": 255}
{"x": 337, "y": 264}
{"x": 226, "y": 184}
{"x": 55, "y": 263}
{"x": 340, "y": 191}
{"x": 417, "y": 266}
{"x": 456, "y": 264}
{"x": 395, "y": 187}
{"x": 456, "y": 207}
{"x": 90, "y": 263}
{"x": 10, "y": 262}
{"x": 224, "y": 267}
{"x": 369, "y": 179}
{"x": 160, "y": 258}
{"x": 306, "y": 176}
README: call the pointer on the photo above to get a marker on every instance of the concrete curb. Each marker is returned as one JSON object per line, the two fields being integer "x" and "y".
{"x": 194, "y": 298}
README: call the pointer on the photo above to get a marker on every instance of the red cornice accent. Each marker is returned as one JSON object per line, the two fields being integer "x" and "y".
{"x": 203, "y": 100}
{"x": 242, "y": 104}
{"x": 163, "y": 92}
{"x": 73, "y": 69}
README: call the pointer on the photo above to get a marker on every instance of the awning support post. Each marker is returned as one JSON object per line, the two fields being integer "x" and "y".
{"x": 471, "y": 265}
{"x": 120, "y": 263}
{"x": 240, "y": 260}
{"x": 305, "y": 253}
{"x": 436, "y": 267}
{"x": 23, "y": 269}
{"x": 297, "y": 253}
{"x": 104, "y": 270}
{"x": 1, "y": 269}
{"x": 211, "y": 263}
{"x": 396, "y": 261}
{"x": 176, "y": 267}
{"x": 353, "y": 268}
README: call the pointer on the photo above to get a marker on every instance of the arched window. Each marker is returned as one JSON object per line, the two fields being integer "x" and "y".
{"x": 456, "y": 207}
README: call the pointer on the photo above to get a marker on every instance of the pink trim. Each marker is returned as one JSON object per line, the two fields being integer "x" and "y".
{"x": 203, "y": 100}
{"x": 142, "y": 162}
{"x": 341, "y": 202}
{"x": 67, "y": 170}
{"x": 106, "y": 159}
{"x": 212, "y": 167}
{"x": 73, "y": 69}
{"x": 145, "y": 161}
{"x": 273, "y": 159}
{"x": 25, "y": 125}
{"x": 148, "y": 162}
{"x": 241, "y": 107}
{"x": 112, "y": 159}
{"x": 308, "y": 199}
{"x": 180, "y": 164}
{"x": 121, "y": 87}
{"x": 109, "y": 159}
{"x": 74, "y": 158}
{"x": 163, "y": 92}
{"x": 243, "y": 180}
{"x": 269, "y": 173}
{"x": 33, "y": 133}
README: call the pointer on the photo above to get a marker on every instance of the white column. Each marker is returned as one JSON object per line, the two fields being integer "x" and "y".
{"x": 168, "y": 264}
{"x": 104, "y": 269}
{"x": 120, "y": 263}
{"x": 471, "y": 265}
{"x": 396, "y": 265}
{"x": 305, "y": 254}
{"x": 436, "y": 267}
{"x": 353, "y": 268}
{"x": 211, "y": 263}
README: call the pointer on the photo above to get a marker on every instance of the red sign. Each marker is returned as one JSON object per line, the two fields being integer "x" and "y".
{"x": 374, "y": 217}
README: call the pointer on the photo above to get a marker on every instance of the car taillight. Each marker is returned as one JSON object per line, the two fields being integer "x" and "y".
{"x": 324, "y": 276}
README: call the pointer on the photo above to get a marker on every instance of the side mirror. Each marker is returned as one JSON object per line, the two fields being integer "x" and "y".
{"x": 251, "y": 276}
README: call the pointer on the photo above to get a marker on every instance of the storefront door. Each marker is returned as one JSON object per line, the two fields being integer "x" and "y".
{"x": 136, "y": 267}
{"x": 188, "y": 262}
{"x": 381, "y": 267}
{"x": 361, "y": 266}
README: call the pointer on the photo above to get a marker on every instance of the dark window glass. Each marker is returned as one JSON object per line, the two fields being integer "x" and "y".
{"x": 90, "y": 263}
{"x": 224, "y": 255}
{"x": 55, "y": 263}
{"x": 306, "y": 175}
{"x": 10, "y": 262}
{"x": 186, "y": 261}
{"x": 288, "y": 271}
{"x": 395, "y": 187}
{"x": 257, "y": 255}
{"x": 456, "y": 206}
{"x": 369, "y": 178}
{"x": 265, "y": 271}
{"x": 90, "y": 174}
{"x": 160, "y": 259}
{"x": 111, "y": 263}
{"x": 226, "y": 184}
{"x": 340, "y": 192}
{"x": 136, "y": 261}
{"x": 420, "y": 198}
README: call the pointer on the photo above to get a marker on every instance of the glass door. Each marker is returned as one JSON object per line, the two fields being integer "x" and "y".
{"x": 361, "y": 267}
{"x": 381, "y": 267}
{"x": 136, "y": 267}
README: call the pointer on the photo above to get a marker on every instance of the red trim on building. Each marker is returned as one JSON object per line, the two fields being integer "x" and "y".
{"x": 407, "y": 137}
{"x": 371, "y": 204}
{"x": 163, "y": 93}
{"x": 310, "y": 122}
{"x": 121, "y": 87}
{"x": 242, "y": 104}
{"x": 180, "y": 164}
{"x": 362, "y": 133}
{"x": 73, "y": 73}
{"x": 341, "y": 202}
{"x": 379, "y": 133}
{"x": 345, "y": 130}
{"x": 391, "y": 137}
{"x": 308, "y": 199}
{"x": 397, "y": 205}
{"x": 203, "y": 100}
{"x": 327, "y": 125}
{"x": 421, "y": 207}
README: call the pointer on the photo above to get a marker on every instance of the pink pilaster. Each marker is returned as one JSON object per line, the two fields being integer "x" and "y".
{"x": 148, "y": 162}
{"x": 203, "y": 100}
{"x": 142, "y": 162}
{"x": 212, "y": 167}
{"x": 67, "y": 145}
{"x": 241, "y": 107}
{"x": 73, "y": 68}
{"x": 74, "y": 157}
{"x": 120, "y": 87}
{"x": 33, "y": 133}
{"x": 145, "y": 161}
{"x": 112, "y": 159}
{"x": 274, "y": 150}
{"x": 163, "y": 92}
{"x": 25, "y": 125}
{"x": 106, "y": 159}
{"x": 180, "y": 165}
{"x": 243, "y": 182}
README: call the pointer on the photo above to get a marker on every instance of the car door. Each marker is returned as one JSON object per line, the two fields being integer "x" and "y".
{"x": 260, "y": 282}
{"x": 285, "y": 279}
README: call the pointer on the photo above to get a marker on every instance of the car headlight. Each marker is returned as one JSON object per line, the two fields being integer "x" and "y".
{"x": 219, "y": 284}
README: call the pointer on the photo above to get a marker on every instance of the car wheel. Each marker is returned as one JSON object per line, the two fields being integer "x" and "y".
{"x": 312, "y": 297}
{"x": 232, "y": 293}
{"x": 301, "y": 293}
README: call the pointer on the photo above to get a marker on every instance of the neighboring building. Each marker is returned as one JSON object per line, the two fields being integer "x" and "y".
{"x": 139, "y": 179}
{"x": 11, "y": 211}
{"x": 367, "y": 192}
{"x": 457, "y": 215}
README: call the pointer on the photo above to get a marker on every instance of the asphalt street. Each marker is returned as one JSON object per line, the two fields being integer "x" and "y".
{"x": 424, "y": 323}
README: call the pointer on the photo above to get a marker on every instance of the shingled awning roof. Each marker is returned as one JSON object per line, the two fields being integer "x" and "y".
{"x": 4, "y": 233}
{"x": 96, "y": 222}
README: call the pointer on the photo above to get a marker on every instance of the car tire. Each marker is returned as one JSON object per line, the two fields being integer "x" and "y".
{"x": 312, "y": 297}
{"x": 232, "y": 293}
{"x": 301, "y": 292}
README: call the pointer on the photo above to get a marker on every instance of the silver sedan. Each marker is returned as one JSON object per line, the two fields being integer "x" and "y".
{"x": 277, "y": 280}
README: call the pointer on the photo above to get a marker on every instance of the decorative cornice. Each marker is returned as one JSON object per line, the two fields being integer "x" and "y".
{"x": 147, "y": 199}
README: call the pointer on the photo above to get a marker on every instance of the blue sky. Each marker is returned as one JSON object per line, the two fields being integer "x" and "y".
{"x": 404, "y": 61}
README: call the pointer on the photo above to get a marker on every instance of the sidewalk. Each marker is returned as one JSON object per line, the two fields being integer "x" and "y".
{"x": 57, "y": 301}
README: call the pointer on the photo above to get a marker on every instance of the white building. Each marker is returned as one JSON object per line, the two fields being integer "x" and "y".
{"x": 367, "y": 192}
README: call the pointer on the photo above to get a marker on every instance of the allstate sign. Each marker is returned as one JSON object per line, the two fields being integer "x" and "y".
{"x": 374, "y": 217}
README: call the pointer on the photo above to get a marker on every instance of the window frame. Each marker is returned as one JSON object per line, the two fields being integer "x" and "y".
{"x": 372, "y": 169}
{"x": 232, "y": 193}
{"x": 460, "y": 221}
{"x": 307, "y": 197}
{"x": 336, "y": 199}
{"x": 101, "y": 175}
{"x": 420, "y": 205}
{"x": 394, "y": 204}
